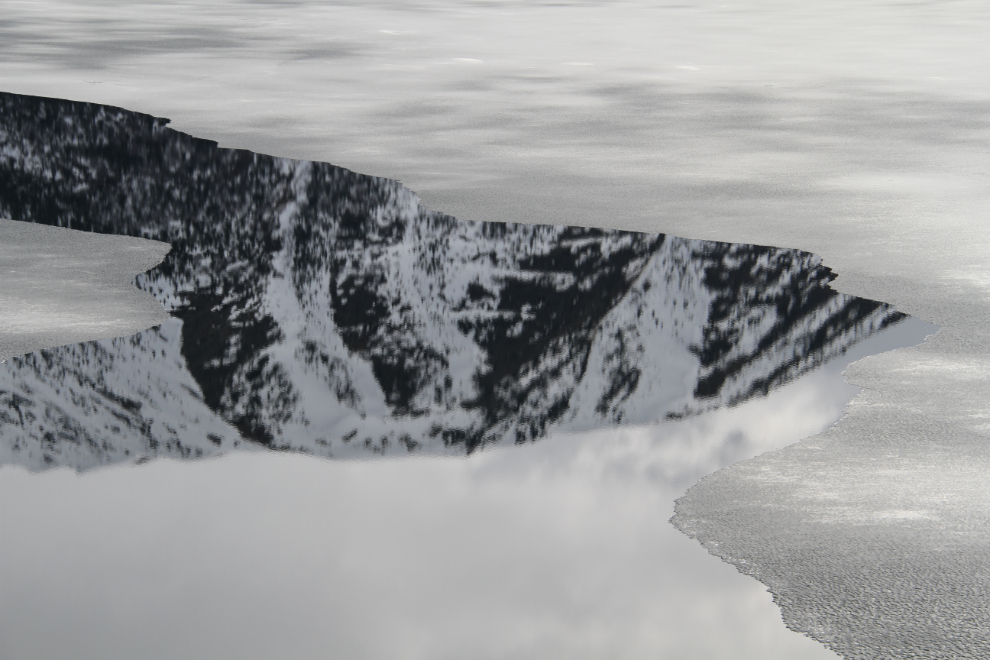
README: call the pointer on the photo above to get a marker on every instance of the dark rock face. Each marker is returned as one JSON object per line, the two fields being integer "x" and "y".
{"x": 321, "y": 310}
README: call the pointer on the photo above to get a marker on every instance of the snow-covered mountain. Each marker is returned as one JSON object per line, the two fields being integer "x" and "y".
{"x": 320, "y": 310}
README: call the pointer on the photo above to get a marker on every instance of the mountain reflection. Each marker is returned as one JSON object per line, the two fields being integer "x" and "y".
{"x": 320, "y": 310}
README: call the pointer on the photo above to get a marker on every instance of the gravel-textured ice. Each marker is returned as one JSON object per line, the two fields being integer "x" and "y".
{"x": 61, "y": 286}
{"x": 872, "y": 536}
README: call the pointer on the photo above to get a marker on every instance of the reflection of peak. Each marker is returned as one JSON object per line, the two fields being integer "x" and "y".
{"x": 223, "y": 343}
{"x": 772, "y": 317}
{"x": 96, "y": 403}
{"x": 549, "y": 310}
{"x": 321, "y": 310}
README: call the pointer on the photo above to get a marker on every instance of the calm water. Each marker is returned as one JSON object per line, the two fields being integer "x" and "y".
{"x": 580, "y": 380}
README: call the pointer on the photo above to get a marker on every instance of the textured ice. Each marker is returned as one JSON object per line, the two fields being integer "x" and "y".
{"x": 872, "y": 535}
{"x": 61, "y": 286}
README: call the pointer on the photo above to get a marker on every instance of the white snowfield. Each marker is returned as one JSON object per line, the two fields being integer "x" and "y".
{"x": 858, "y": 131}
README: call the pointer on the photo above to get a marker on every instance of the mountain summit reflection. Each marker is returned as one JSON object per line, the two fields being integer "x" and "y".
{"x": 319, "y": 310}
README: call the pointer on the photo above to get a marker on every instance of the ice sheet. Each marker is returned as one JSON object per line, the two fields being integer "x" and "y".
{"x": 61, "y": 286}
{"x": 855, "y": 130}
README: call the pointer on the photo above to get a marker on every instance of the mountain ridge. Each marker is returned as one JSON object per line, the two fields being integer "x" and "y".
{"x": 320, "y": 310}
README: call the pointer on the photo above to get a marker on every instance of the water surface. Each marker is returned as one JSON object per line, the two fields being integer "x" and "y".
{"x": 582, "y": 379}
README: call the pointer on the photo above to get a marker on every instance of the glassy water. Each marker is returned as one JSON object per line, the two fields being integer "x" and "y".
{"x": 583, "y": 378}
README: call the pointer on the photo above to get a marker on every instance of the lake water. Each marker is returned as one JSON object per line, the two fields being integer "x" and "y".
{"x": 510, "y": 411}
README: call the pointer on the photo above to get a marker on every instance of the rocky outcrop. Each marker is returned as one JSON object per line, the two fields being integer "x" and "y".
{"x": 320, "y": 310}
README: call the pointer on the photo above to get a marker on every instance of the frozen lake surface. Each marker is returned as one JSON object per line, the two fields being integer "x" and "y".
{"x": 61, "y": 286}
{"x": 853, "y": 130}
{"x": 588, "y": 376}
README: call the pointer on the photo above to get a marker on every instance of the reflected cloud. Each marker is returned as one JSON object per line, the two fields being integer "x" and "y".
{"x": 499, "y": 555}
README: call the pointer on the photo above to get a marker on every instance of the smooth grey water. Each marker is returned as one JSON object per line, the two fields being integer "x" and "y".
{"x": 853, "y": 130}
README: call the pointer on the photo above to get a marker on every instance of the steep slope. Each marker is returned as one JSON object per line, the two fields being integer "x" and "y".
{"x": 320, "y": 310}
